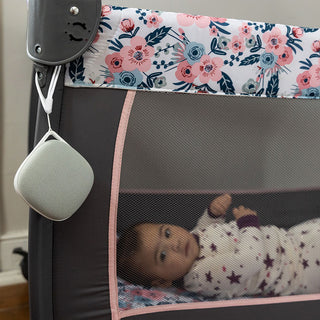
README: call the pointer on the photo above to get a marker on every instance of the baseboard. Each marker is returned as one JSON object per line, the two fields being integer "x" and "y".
{"x": 13, "y": 277}
{"x": 9, "y": 241}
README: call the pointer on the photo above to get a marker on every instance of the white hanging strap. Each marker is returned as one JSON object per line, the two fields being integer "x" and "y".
{"x": 48, "y": 101}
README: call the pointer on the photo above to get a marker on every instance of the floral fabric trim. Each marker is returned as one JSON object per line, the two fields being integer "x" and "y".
{"x": 133, "y": 296}
{"x": 161, "y": 51}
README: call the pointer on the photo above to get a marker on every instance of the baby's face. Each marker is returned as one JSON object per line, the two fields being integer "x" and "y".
{"x": 167, "y": 252}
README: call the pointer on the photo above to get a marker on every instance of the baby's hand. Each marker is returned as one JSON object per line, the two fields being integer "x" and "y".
{"x": 220, "y": 205}
{"x": 242, "y": 211}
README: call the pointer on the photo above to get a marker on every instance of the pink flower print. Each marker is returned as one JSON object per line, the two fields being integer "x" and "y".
{"x": 153, "y": 294}
{"x": 220, "y": 20}
{"x": 245, "y": 30}
{"x": 153, "y": 20}
{"x": 96, "y": 39}
{"x": 315, "y": 75}
{"x": 127, "y": 25}
{"x": 286, "y": 57}
{"x": 316, "y": 46}
{"x": 114, "y": 62}
{"x": 214, "y": 31}
{"x": 303, "y": 80}
{"x": 274, "y": 41}
{"x": 137, "y": 56}
{"x": 297, "y": 32}
{"x": 208, "y": 69}
{"x": 109, "y": 79}
{"x": 236, "y": 44}
{"x": 105, "y": 11}
{"x": 184, "y": 72}
{"x": 186, "y": 20}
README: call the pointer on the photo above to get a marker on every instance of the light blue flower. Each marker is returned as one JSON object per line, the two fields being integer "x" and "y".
{"x": 250, "y": 86}
{"x": 250, "y": 43}
{"x": 311, "y": 92}
{"x": 223, "y": 43}
{"x": 268, "y": 60}
{"x": 128, "y": 78}
{"x": 193, "y": 52}
{"x": 160, "y": 82}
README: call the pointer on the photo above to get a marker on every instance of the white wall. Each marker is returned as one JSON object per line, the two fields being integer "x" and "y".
{"x": 15, "y": 79}
{"x": 292, "y": 12}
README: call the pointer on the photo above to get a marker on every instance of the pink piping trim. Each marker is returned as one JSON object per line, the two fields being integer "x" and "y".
{"x": 219, "y": 304}
{"x": 115, "y": 185}
{"x": 205, "y": 191}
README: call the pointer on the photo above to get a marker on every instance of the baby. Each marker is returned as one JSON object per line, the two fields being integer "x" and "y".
{"x": 224, "y": 260}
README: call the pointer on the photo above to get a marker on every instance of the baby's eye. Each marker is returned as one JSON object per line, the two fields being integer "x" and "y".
{"x": 167, "y": 233}
{"x": 163, "y": 255}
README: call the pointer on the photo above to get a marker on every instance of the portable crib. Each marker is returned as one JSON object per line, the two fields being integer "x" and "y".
{"x": 169, "y": 110}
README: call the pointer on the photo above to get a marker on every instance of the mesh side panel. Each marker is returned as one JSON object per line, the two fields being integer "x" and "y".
{"x": 183, "y": 151}
{"x": 179, "y": 141}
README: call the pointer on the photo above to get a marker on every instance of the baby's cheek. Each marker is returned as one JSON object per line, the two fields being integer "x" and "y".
{"x": 180, "y": 266}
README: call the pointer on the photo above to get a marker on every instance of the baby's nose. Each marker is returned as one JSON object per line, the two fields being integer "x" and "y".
{"x": 176, "y": 246}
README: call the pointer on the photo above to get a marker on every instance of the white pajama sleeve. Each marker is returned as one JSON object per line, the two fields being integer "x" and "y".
{"x": 207, "y": 219}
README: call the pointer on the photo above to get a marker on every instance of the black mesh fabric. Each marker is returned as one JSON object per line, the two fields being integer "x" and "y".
{"x": 182, "y": 151}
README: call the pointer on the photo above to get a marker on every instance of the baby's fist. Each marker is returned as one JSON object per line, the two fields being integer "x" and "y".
{"x": 241, "y": 211}
{"x": 220, "y": 205}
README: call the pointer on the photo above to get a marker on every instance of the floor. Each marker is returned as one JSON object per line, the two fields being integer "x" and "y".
{"x": 14, "y": 302}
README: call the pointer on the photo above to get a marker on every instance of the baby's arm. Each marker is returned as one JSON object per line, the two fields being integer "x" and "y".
{"x": 216, "y": 211}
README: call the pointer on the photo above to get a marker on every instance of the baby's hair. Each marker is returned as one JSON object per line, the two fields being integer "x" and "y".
{"x": 128, "y": 246}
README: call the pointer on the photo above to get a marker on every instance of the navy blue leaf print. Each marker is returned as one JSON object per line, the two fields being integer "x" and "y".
{"x": 185, "y": 86}
{"x": 150, "y": 76}
{"x": 219, "y": 52}
{"x": 254, "y": 58}
{"x": 273, "y": 86}
{"x": 205, "y": 88}
{"x": 306, "y": 64}
{"x": 259, "y": 41}
{"x": 213, "y": 44}
{"x": 306, "y": 30}
{"x": 125, "y": 35}
{"x": 114, "y": 48}
{"x": 135, "y": 31}
{"x": 269, "y": 27}
{"x": 157, "y": 35}
{"x": 259, "y": 93}
{"x": 104, "y": 23}
{"x": 155, "y": 74}
{"x": 214, "y": 50}
{"x": 255, "y": 49}
{"x": 118, "y": 8}
{"x": 315, "y": 55}
{"x": 131, "y": 35}
{"x": 258, "y": 47}
{"x": 142, "y": 85}
{"x": 117, "y": 45}
{"x": 291, "y": 42}
{"x": 216, "y": 24}
{"x": 76, "y": 70}
{"x": 226, "y": 84}
{"x": 210, "y": 89}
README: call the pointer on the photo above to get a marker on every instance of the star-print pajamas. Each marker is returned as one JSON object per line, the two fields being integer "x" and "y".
{"x": 243, "y": 258}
